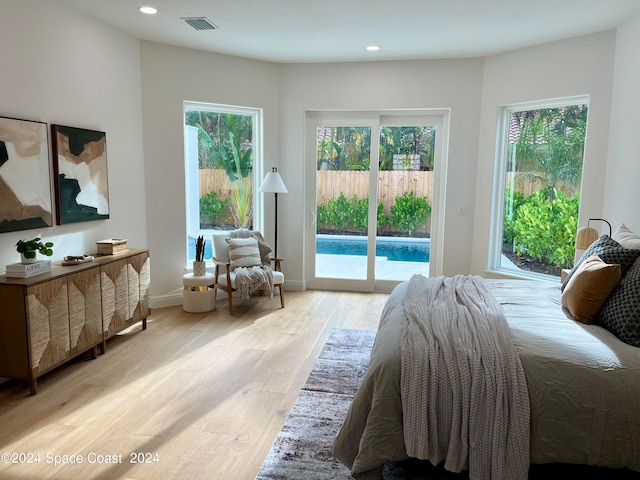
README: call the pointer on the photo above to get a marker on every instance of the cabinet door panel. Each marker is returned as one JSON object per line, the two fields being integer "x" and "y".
{"x": 140, "y": 271}
{"x": 85, "y": 310}
{"x": 48, "y": 319}
{"x": 115, "y": 297}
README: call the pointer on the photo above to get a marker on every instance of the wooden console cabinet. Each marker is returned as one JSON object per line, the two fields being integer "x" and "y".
{"x": 48, "y": 319}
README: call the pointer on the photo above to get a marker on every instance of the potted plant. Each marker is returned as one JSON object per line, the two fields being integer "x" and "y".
{"x": 28, "y": 248}
{"x": 199, "y": 266}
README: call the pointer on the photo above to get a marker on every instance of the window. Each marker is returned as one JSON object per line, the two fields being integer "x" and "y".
{"x": 222, "y": 152}
{"x": 541, "y": 152}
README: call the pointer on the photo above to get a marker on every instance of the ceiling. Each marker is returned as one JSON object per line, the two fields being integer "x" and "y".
{"x": 300, "y": 31}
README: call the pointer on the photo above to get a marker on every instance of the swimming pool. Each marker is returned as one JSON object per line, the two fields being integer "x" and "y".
{"x": 208, "y": 250}
{"x": 396, "y": 249}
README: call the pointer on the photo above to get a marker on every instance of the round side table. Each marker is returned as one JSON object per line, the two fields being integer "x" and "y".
{"x": 197, "y": 297}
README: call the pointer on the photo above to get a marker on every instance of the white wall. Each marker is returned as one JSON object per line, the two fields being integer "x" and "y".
{"x": 170, "y": 76}
{"x": 453, "y": 84}
{"x": 622, "y": 190}
{"x": 60, "y": 66}
{"x": 579, "y": 66}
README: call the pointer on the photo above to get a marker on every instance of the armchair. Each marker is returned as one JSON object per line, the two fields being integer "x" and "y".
{"x": 225, "y": 277}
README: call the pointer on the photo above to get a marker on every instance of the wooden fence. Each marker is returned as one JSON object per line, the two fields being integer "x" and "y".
{"x": 331, "y": 183}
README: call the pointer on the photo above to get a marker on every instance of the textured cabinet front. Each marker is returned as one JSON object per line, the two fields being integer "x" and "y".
{"x": 50, "y": 318}
{"x": 48, "y": 324}
{"x": 125, "y": 293}
{"x": 139, "y": 276}
{"x": 115, "y": 297}
{"x": 85, "y": 310}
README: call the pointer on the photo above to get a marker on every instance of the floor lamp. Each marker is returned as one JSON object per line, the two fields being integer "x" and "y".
{"x": 273, "y": 183}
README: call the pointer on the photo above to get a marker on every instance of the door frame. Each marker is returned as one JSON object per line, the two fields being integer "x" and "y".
{"x": 373, "y": 119}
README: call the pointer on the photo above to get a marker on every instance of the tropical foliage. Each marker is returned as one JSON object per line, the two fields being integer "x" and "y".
{"x": 349, "y": 148}
{"x": 211, "y": 208}
{"x": 410, "y": 212}
{"x": 343, "y": 148}
{"x": 225, "y": 142}
{"x": 407, "y": 141}
{"x": 545, "y": 145}
{"x": 545, "y": 229}
{"x": 550, "y": 146}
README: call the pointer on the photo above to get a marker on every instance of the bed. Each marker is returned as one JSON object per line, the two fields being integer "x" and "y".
{"x": 583, "y": 384}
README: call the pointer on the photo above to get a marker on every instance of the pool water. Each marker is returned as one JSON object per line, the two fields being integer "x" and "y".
{"x": 208, "y": 251}
{"x": 395, "y": 249}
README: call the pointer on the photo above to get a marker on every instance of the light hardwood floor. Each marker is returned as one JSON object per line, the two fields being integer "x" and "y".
{"x": 206, "y": 393}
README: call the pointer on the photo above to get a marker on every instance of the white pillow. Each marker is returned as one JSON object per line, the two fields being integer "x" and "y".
{"x": 243, "y": 252}
{"x": 627, "y": 239}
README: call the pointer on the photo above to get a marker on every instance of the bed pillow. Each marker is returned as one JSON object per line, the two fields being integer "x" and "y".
{"x": 621, "y": 312}
{"x": 589, "y": 288}
{"x": 627, "y": 239}
{"x": 610, "y": 252}
{"x": 243, "y": 252}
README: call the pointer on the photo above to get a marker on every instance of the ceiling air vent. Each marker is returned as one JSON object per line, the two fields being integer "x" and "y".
{"x": 200, "y": 23}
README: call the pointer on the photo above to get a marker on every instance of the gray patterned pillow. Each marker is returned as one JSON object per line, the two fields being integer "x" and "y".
{"x": 610, "y": 252}
{"x": 621, "y": 312}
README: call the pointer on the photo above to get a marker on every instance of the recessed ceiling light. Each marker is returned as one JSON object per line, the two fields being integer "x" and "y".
{"x": 373, "y": 48}
{"x": 148, "y": 10}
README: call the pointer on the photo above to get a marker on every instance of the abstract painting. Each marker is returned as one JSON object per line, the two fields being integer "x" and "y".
{"x": 80, "y": 168}
{"x": 25, "y": 183}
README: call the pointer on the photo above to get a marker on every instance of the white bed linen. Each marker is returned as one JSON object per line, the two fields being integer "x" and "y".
{"x": 584, "y": 386}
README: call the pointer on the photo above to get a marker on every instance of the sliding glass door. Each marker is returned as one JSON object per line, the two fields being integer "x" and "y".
{"x": 343, "y": 176}
{"x": 370, "y": 221}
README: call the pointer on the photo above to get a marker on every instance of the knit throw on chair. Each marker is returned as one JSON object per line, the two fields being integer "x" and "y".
{"x": 258, "y": 278}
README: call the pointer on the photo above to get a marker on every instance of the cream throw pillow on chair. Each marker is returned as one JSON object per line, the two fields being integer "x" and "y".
{"x": 243, "y": 252}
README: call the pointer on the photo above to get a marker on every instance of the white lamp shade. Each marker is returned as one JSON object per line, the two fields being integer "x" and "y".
{"x": 273, "y": 183}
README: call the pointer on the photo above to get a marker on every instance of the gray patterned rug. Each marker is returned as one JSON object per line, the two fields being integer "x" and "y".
{"x": 302, "y": 450}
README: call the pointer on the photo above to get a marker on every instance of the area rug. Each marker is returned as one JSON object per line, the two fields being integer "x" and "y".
{"x": 303, "y": 448}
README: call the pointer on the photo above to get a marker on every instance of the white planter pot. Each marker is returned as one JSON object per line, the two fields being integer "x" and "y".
{"x": 23, "y": 259}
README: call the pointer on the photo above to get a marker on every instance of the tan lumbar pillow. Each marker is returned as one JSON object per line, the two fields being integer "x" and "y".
{"x": 589, "y": 288}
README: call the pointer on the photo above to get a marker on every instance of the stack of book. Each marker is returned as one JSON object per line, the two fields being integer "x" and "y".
{"x": 26, "y": 270}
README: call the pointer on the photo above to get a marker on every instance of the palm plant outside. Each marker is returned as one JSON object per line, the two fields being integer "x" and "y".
{"x": 225, "y": 142}
{"x": 550, "y": 145}
{"x": 545, "y": 145}
{"x": 407, "y": 141}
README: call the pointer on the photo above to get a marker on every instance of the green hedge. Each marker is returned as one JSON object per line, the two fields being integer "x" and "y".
{"x": 543, "y": 225}
{"x": 211, "y": 207}
{"x": 342, "y": 215}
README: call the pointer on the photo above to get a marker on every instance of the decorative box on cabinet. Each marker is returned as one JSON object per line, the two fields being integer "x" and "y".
{"x": 48, "y": 319}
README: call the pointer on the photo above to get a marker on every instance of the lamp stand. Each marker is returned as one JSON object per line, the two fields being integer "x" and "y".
{"x": 272, "y": 183}
{"x": 276, "y": 228}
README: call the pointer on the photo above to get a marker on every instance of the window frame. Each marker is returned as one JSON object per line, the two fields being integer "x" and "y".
{"x": 499, "y": 185}
{"x": 192, "y": 184}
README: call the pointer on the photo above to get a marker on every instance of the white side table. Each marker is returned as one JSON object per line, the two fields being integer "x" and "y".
{"x": 197, "y": 297}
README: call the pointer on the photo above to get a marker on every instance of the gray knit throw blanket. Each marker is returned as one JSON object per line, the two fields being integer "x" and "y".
{"x": 464, "y": 392}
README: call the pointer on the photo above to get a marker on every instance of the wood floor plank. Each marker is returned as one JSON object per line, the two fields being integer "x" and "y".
{"x": 208, "y": 393}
